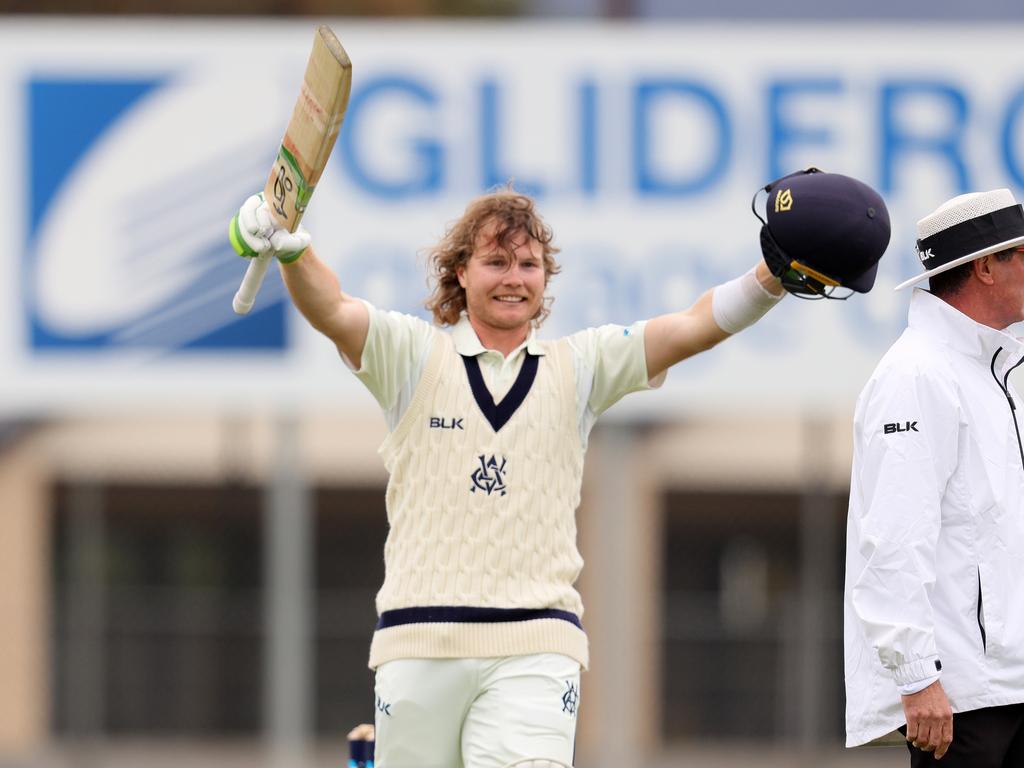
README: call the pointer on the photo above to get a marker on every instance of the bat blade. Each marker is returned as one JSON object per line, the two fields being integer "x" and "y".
{"x": 312, "y": 131}
{"x": 306, "y": 146}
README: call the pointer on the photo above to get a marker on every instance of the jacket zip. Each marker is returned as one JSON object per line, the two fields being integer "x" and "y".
{"x": 1003, "y": 385}
{"x": 1006, "y": 391}
{"x": 981, "y": 623}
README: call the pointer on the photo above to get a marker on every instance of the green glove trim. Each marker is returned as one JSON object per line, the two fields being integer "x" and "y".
{"x": 238, "y": 242}
{"x": 288, "y": 258}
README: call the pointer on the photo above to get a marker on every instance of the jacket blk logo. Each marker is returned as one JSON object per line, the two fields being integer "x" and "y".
{"x": 907, "y": 426}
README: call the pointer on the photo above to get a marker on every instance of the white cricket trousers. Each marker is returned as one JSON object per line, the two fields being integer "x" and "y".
{"x": 476, "y": 713}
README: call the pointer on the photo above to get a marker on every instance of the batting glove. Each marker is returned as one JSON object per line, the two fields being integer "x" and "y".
{"x": 253, "y": 232}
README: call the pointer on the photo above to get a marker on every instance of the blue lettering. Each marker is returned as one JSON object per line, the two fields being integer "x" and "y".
{"x": 650, "y": 93}
{"x": 782, "y": 132}
{"x": 588, "y": 140}
{"x": 900, "y": 138}
{"x": 1010, "y": 123}
{"x": 429, "y": 174}
{"x": 491, "y": 141}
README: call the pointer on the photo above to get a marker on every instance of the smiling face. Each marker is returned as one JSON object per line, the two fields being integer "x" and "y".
{"x": 504, "y": 286}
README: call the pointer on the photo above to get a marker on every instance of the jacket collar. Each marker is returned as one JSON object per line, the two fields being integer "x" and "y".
{"x": 467, "y": 343}
{"x": 933, "y": 317}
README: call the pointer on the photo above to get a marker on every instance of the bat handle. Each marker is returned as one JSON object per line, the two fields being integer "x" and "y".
{"x": 246, "y": 295}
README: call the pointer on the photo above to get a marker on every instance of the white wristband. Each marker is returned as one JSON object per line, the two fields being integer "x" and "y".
{"x": 741, "y": 302}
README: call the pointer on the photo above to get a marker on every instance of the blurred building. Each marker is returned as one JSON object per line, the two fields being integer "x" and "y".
{"x": 139, "y": 568}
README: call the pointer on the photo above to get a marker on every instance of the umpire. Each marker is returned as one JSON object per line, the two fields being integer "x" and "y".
{"x": 934, "y": 612}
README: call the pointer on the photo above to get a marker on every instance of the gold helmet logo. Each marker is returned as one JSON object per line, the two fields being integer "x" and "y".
{"x": 783, "y": 200}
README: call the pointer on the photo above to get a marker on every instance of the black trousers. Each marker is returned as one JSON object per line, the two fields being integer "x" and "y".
{"x": 983, "y": 738}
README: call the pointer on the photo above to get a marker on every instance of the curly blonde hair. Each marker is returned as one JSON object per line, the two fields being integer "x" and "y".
{"x": 515, "y": 214}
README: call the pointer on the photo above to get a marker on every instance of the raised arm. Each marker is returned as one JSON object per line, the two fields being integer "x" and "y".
{"x": 314, "y": 288}
{"x": 316, "y": 293}
{"x": 716, "y": 315}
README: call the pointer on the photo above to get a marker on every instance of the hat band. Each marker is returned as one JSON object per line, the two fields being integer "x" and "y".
{"x": 971, "y": 236}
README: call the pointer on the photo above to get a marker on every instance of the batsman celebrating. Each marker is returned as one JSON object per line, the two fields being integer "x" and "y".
{"x": 479, "y": 644}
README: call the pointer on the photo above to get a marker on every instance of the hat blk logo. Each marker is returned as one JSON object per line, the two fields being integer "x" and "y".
{"x": 925, "y": 254}
{"x": 783, "y": 200}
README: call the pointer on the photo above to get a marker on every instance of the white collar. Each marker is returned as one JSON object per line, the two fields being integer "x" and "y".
{"x": 468, "y": 344}
{"x": 934, "y": 317}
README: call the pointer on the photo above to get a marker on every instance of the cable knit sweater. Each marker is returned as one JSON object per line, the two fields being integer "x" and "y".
{"x": 481, "y": 556}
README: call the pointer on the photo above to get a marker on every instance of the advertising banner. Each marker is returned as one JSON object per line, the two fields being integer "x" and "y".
{"x": 131, "y": 144}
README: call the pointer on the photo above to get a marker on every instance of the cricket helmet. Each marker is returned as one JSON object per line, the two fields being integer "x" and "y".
{"x": 822, "y": 231}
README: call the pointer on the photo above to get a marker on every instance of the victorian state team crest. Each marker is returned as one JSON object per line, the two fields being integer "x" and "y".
{"x": 489, "y": 477}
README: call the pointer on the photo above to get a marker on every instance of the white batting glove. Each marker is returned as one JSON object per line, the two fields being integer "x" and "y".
{"x": 288, "y": 246}
{"x": 253, "y": 232}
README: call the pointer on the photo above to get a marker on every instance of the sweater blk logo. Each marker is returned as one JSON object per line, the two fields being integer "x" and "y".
{"x": 445, "y": 423}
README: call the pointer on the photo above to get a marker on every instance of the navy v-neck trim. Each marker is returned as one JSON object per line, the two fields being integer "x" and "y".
{"x": 498, "y": 415}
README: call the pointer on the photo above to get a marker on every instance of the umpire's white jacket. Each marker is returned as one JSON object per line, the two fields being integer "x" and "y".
{"x": 935, "y": 535}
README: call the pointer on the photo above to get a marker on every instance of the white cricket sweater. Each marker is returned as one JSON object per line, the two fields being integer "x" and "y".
{"x": 481, "y": 556}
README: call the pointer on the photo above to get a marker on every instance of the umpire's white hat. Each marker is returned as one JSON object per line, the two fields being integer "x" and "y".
{"x": 966, "y": 228}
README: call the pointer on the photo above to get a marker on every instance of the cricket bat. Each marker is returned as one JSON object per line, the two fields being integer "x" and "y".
{"x": 305, "y": 148}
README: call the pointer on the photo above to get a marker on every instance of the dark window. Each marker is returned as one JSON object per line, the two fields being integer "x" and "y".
{"x": 351, "y": 527}
{"x": 735, "y": 612}
{"x": 157, "y": 610}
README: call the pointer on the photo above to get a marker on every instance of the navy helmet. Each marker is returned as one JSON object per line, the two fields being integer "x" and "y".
{"x": 823, "y": 231}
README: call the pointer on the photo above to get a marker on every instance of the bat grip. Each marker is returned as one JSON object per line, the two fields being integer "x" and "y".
{"x": 254, "y": 274}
